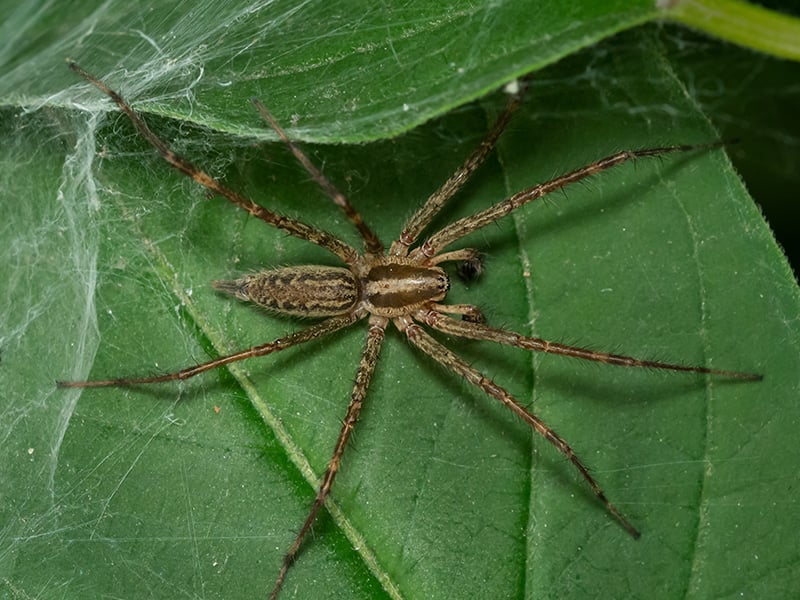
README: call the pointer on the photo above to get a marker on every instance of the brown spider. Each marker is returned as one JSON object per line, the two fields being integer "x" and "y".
{"x": 404, "y": 286}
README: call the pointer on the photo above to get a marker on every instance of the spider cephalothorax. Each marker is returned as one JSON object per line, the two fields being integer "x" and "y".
{"x": 403, "y": 285}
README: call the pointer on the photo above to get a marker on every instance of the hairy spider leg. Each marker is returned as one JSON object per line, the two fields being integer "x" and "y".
{"x": 458, "y": 229}
{"x": 479, "y": 331}
{"x": 366, "y": 368}
{"x": 316, "y": 331}
{"x": 448, "y": 359}
{"x": 372, "y": 243}
{"x": 288, "y": 224}
{"x": 425, "y": 214}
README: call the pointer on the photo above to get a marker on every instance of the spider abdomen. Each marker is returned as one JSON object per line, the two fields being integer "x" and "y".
{"x": 393, "y": 288}
{"x": 305, "y": 291}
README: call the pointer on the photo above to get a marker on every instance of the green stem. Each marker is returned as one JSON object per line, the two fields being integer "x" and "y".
{"x": 742, "y": 23}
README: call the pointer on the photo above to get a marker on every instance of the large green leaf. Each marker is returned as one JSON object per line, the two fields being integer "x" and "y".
{"x": 197, "y": 489}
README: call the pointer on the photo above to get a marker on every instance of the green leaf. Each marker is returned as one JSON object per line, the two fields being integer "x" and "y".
{"x": 197, "y": 489}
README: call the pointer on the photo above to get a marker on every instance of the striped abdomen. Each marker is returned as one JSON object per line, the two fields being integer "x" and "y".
{"x": 306, "y": 291}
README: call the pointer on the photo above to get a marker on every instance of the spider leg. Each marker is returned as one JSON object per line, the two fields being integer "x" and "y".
{"x": 366, "y": 368}
{"x": 470, "y": 266}
{"x": 372, "y": 243}
{"x": 478, "y": 331}
{"x": 468, "y": 312}
{"x": 425, "y": 214}
{"x": 315, "y": 331}
{"x": 458, "y": 229}
{"x": 419, "y": 338}
{"x": 465, "y": 254}
{"x": 291, "y": 226}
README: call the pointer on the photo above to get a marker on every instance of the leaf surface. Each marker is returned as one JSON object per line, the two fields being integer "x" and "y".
{"x": 197, "y": 489}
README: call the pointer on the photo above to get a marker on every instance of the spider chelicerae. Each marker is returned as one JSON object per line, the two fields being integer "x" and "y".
{"x": 404, "y": 285}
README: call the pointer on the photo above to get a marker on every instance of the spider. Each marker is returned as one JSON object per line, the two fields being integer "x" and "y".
{"x": 404, "y": 285}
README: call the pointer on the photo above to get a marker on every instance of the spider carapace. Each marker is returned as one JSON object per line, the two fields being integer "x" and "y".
{"x": 403, "y": 285}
